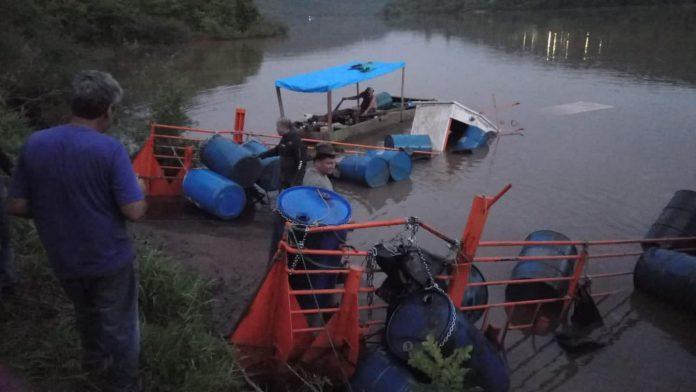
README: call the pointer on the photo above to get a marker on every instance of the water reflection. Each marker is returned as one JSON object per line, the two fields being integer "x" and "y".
{"x": 631, "y": 40}
{"x": 373, "y": 200}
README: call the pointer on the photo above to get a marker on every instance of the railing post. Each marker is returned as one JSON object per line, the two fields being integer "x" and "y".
{"x": 577, "y": 273}
{"x": 239, "y": 116}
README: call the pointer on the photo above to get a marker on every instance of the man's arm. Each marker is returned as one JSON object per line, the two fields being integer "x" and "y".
{"x": 134, "y": 211}
{"x": 128, "y": 190}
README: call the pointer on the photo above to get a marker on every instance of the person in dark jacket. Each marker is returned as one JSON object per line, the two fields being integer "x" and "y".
{"x": 292, "y": 152}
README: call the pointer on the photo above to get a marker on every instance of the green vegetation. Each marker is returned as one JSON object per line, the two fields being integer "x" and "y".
{"x": 446, "y": 373}
{"x": 395, "y": 8}
{"x": 180, "y": 350}
{"x": 44, "y": 42}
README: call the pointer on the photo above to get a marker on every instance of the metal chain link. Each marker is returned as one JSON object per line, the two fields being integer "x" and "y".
{"x": 371, "y": 266}
{"x": 434, "y": 286}
{"x": 299, "y": 245}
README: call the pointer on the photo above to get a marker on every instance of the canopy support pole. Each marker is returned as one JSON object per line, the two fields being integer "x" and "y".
{"x": 280, "y": 102}
{"x": 403, "y": 77}
{"x": 329, "y": 115}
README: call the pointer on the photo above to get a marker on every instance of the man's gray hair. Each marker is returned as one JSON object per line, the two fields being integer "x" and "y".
{"x": 93, "y": 92}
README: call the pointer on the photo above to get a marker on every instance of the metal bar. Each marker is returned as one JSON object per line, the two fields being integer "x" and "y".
{"x": 314, "y": 311}
{"x": 610, "y": 274}
{"x": 280, "y": 102}
{"x": 613, "y": 255}
{"x": 509, "y": 304}
{"x": 177, "y": 138}
{"x": 316, "y": 291}
{"x": 373, "y": 307}
{"x": 509, "y": 281}
{"x": 310, "y": 329}
{"x": 601, "y": 242}
{"x": 319, "y": 272}
{"x": 353, "y": 226}
{"x": 403, "y": 78}
{"x": 320, "y": 252}
{"x": 577, "y": 272}
{"x": 364, "y": 146}
{"x": 437, "y": 233}
{"x": 499, "y": 195}
{"x": 491, "y": 259}
{"x": 329, "y": 115}
{"x": 172, "y": 167}
{"x": 184, "y": 128}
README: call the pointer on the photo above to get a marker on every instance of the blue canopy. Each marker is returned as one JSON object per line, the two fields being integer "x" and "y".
{"x": 332, "y": 78}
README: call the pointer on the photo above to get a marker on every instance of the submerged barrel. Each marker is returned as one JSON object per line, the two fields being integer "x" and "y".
{"x": 475, "y": 295}
{"x": 409, "y": 142}
{"x": 270, "y": 171}
{"x": 678, "y": 219}
{"x": 668, "y": 275}
{"x": 549, "y": 313}
{"x": 423, "y": 313}
{"x": 214, "y": 193}
{"x": 473, "y": 138}
{"x": 380, "y": 371}
{"x": 229, "y": 159}
{"x": 489, "y": 369}
{"x": 399, "y": 162}
{"x": 364, "y": 169}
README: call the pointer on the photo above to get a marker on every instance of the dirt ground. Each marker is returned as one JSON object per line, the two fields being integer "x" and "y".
{"x": 233, "y": 253}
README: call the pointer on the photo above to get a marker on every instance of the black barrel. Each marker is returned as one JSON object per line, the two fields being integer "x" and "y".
{"x": 549, "y": 313}
{"x": 668, "y": 275}
{"x": 678, "y": 219}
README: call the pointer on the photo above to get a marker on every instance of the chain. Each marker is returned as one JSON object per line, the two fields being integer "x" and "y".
{"x": 299, "y": 245}
{"x": 434, "y": 286}
{"x": 371, "y": 266}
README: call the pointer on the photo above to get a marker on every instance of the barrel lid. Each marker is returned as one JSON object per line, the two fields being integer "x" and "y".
{"x": 424, "y": 313}
{"x": 308, "y": 205}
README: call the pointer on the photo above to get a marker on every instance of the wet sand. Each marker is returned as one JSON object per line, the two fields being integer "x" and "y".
{"x": 234, "y": 254}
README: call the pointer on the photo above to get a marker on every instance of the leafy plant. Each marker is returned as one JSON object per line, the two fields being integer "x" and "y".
{"x": 446, "y": 373}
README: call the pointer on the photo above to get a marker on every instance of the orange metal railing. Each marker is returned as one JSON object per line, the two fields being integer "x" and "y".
{"x": 355, "y": 317}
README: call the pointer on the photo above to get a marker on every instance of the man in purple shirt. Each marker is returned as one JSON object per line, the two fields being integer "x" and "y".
{"x": 78, "y": 186}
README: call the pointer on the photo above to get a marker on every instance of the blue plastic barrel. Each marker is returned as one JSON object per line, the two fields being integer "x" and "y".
{"x": 532, "y": 269}
{"x": 311, "y": 205}
{"x": 364, "y": 169}
{"x": 380, "y": 371}
{"x": 668, "y": 275}
{"x": 270, "y": 172}
{"x": 254, "y": 146}
{"x": 473, "y": 138}
{"x": 489, "y": 369}
{"x": 229, "y": 159}
{"x": 214, "y": 193}
{"x": 409, "y": 143}
{"x": 418, "y": 315}
{"x": 399, "y": 162}
{"x": 678, "y": 219}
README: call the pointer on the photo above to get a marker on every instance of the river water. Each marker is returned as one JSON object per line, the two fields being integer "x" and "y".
{"x": 597, "y": 174}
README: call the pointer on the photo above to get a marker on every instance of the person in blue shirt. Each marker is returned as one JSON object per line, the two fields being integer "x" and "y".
{"x": 78, "y": 186}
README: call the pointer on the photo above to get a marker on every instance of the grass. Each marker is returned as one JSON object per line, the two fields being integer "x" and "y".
{"x": 180, "y": 350}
